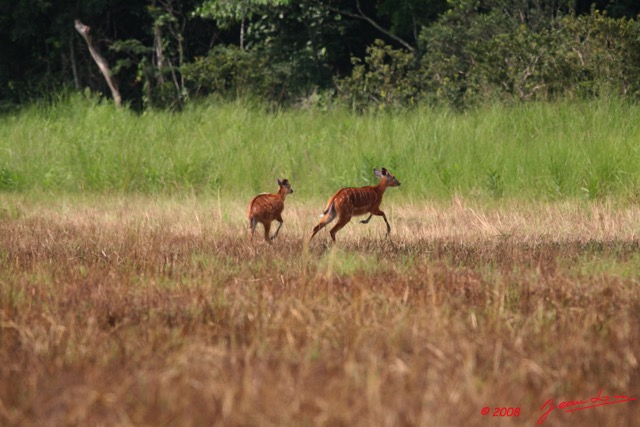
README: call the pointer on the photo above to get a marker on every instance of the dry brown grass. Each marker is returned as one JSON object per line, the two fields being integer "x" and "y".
{"x": 129, "y": 311}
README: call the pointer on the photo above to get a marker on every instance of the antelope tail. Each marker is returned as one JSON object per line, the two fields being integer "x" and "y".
{"x": 328, "y": 208}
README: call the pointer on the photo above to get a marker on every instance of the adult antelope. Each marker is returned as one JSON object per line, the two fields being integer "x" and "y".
{"x": 349, "y": 202}
{"x": 264, "y": 208}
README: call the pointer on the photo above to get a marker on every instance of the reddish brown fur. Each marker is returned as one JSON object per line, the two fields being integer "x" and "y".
{"x": 349, "y": 202}
{"x": 264, "y": 208}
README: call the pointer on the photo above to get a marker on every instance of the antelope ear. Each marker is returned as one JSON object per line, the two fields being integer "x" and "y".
{"x": 385, "y": 172}
{"x": 377, "y": 173}
{"x": 278, "y": 181}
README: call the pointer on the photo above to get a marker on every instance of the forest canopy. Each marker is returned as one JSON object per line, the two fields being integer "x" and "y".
{"x": 364, "y": 54}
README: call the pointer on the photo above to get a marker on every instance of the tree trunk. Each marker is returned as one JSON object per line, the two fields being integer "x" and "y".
{"x": 157, "y": 41}
{"x": 74, "y": 66}
{"x": 100, "y": 61}
{"x": 242, "y": 33}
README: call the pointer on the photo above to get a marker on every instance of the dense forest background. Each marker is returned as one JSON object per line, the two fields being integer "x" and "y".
{"x": 365, "y": 54}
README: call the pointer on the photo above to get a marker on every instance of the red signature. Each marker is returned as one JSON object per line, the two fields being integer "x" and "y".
{"x": 578, "y": 405}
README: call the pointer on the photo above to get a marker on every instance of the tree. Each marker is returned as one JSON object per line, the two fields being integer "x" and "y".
{"x": 299, "y": 46}
{"x": 227, "y": 13}
{"x": 157, "y": 59}
{"x": 100, "y": 61}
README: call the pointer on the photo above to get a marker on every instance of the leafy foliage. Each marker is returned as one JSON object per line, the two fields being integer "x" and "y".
{"x": 285, "y": 56}
{"x": 459, "y": 53}
{"x": 228, "y": 12}
{"x": 386, "y": 78}
{"x": 233, "y": 73}
{"x": 603, "y": 53}
{"x": 471, "y": 56}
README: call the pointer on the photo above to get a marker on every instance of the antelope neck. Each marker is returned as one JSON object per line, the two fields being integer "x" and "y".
{"x": 382, "y": 185}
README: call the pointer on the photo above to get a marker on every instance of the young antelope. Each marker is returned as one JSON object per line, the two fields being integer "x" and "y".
{"x": 264, "y": 208}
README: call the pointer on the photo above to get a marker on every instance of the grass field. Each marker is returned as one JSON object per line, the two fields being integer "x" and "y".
{"x": 158, "y": 310}
{"x": 570, "y": 149}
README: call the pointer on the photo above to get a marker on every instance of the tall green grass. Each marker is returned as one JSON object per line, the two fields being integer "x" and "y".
{"x": 551, "y": 150}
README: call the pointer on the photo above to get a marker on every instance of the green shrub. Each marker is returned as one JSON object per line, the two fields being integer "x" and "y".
{"x": 231, "y": 72}
{"x": 257, "y": 73}
{"x": 472, "y": 56}
{"x": 386, "y": 78}
{"x": 602, "y": 55}
{"x": 454, "y": 67}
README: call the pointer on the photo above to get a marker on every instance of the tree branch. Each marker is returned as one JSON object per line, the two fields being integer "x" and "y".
{"x": 100, "y": 61}
{"x": 364, "y": 17}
